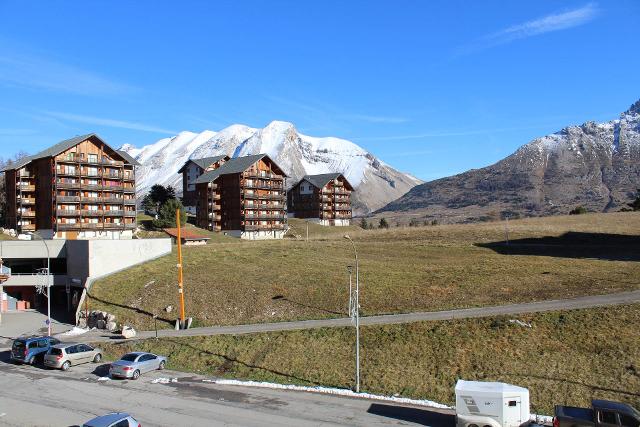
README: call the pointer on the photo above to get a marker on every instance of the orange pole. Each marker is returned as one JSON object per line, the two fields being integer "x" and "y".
{"x": 180, "y": 283}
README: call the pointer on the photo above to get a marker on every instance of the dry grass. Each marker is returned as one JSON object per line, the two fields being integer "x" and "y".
{"x": 564, "y": 358}
{"x": 401, "y": 270}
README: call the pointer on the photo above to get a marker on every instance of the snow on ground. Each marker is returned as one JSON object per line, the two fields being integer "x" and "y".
{"x": 328, "y": 390}
{"x": 163, "y": 380}
{"x": 73, "y": 332}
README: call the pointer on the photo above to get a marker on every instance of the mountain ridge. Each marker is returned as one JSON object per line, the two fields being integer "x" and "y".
{"x": 595, "y": 165}
{"x": 297, "y": 154}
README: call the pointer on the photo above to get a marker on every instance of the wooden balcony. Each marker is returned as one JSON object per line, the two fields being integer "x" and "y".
{"x": 26, "y": 187}
{"x": 130, "y": 202}
{"x": 68, "y": 212}
{"x": 83, "y": 160}
{"x": 257, "y": 175}
{"x": 26, "y": 214}
{"x": 26, "y": 200}
{"x": 68, "y": 185}
{"x": 215, "y": 217}
{"x": 130, "y": 214}
{"x": 129, "y": 190}
{"x": 271, "y": 216}
{"x": 248, "y": 195}
{"x": 67, "y": 199}
{"x": 112, "y": 212}
{"x": 262, "y": 185}
{"x": 27, "y": 227}
{"x": 92, "y": 213}
{"x": 264, "y": 227}
{"x": 65, "y": 172}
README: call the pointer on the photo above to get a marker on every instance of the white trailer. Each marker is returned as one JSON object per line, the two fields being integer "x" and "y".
{"x": 491, "y": 404}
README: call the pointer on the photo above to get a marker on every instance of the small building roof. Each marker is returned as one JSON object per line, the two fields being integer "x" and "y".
{"x": 235, "y": 165}
{"x": 321, "y": 180}
{"x": 203, "y": 162}
{"x": 185, "y": 234}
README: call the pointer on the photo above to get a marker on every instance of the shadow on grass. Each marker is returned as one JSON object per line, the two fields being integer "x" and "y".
{"x": 299, "y": 304}
{"x": 229, "y": 361}
{"x": 423, "y": 417}
{"x": 134, "y": 309}
{"x": 610, "y": 247}
{"x": 574, "y": 382}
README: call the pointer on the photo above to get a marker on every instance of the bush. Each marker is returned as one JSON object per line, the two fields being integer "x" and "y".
{"x": 578, "y": 211}
{"x": 383, "y": 223}
{"x": 167, "y": 214}
{"x": 363, "y": 224}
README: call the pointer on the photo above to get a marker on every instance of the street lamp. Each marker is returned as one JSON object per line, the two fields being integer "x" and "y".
{"x": 357, "y": 313}
{"x": 48, "y": 281}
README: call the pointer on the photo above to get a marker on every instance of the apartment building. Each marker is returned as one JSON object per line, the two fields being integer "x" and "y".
{"x": 325, "y": 199}
{"x": 80, "y": 188}
{"x": 191, "y": 171}
{"x": 244, "y": 197}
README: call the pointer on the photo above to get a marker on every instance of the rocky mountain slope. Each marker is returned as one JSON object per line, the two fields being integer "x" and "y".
{"x": 595, "y": 165}
{"x": 376, "y": 183}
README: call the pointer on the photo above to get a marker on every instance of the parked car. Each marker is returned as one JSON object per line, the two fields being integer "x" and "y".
{"x": 116, "y": 419}
{"x": 63, "y": 356}
{"x": 131, "y": 365}
{"x": 30, "y": 349}
{"x": 603, "y": 413}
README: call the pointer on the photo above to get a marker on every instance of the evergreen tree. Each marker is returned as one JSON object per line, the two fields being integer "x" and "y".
{"x": 167, "y": 214}
{"x": 579, "y": 210}
{"x": 363, "y": 224}
{"x": 383, "y": 223}
{"x": 148, "y": 204}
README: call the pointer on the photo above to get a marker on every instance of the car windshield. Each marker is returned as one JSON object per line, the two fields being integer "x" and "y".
{"x": 129, "y": 357}
{"x": 18, "y": 345}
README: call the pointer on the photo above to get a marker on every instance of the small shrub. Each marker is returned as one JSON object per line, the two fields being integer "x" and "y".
{"x": 579, "y": 210}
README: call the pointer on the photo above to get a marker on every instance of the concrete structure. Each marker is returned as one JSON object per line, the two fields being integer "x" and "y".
{"x": 245, "y": 197}
{"x": 75, "y": 264}
{"x": 324, "y": 199}
{"x": 80, "y": 188}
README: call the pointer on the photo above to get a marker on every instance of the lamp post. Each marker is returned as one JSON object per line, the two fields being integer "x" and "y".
{"x": 357, "y": 312}
{"x": 48, "y": 282}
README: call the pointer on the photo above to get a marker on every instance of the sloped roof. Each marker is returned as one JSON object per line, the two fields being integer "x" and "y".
{"x": 17, "y": 165}
{"x": 61, "y": 146}
{"x": 319, "y": 181}
{"x": 128, "y": 158}
{"x": 204, "y": 162}
{"x": 236, "y": 165}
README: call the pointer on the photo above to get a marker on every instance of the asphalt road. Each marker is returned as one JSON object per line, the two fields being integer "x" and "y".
{"x": 509, "y": 309}
{"x": 34, "y": 396}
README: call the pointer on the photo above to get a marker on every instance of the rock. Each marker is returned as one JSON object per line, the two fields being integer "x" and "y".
{"x": 128, "y": 332}
{"x": 101, "y": 324}
{"x": 99, "y": 315}
{"x": 169, "y": 309}
{"x": 92, "y": 321}
{"x": 111, "y": 326}
{"x": 82, "y": 323}
{"x": 110, "y": 318}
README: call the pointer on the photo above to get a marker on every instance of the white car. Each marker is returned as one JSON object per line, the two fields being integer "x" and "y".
{"x": 115, "y": 419}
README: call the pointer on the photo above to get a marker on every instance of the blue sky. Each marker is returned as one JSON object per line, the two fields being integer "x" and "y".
{"x": 432, "y": 88}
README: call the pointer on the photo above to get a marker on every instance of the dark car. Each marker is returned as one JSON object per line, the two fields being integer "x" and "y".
{"x": 31, "y": 349}
{"x": 602, "y": 413}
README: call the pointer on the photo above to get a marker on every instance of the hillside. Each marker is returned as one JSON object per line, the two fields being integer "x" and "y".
{"x": 376, "y": 183}
{"x": 401, "y": 270}
{"x": 595, "y": 165}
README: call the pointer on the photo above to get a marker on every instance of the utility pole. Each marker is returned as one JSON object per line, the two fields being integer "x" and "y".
{"x": 357, "y": 315}
{"x": 180, "y": 283}
{"x": 48, "y": 282}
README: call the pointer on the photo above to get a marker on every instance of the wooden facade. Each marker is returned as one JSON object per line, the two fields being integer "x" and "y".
{"x": 192, "y": 170}
{"x": 245, "y": 197}
{"x": 79, "y": 188}
{"x": 325, "y": 199}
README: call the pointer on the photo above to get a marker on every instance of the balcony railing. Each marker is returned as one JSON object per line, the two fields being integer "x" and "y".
{"x": 131, "y": 214}
{"x": 113, "y": 200}
{"x": 26, "y": 200}
{"x": 66, "y": 172}
{"x": 28, "y": 227}
{"x": 26, "y": 187}
{"x": 96, "y": 226}
{"x": 27, "y": 214}
{"x": 215, "y": 217}
{"x": 130, "y": 202}
{"x": 67, "y": 199}
{"x": 129, "y": 189}
{"x": 264, "y": 227}
{"x": 111, "y": 212}
{"x": 257, "y": 175}
{"x": 262, "y": 185}
{"x": 215, "y": 206}
{"x": 248, "y": 195}
{"x": 97, "y": 212}
{"x": 72, "y": 185}
{"x": 263, "y": 217}
{"x": 262, "y": 206}
{"x": 86, "y": 161}
{"x": 67, "y": 212}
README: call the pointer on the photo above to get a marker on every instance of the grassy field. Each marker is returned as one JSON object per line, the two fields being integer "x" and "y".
{"x": 428, "y": 268}
{"x": 564, "y": 358}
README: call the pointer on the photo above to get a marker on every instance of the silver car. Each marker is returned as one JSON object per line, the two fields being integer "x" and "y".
{"x": 63, "y": 356}
{"x": 116, "y": 419}
{"x": 131, "y": 365}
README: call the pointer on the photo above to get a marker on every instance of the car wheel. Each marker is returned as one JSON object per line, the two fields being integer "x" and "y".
{"x": 161, "y": 366}
{"x": 65, "y": 366}
{"x": 136, "y": 374}
{"x": 97, "y": 358}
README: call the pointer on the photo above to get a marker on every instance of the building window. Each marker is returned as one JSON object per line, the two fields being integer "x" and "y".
{"x": 93, "y": 158}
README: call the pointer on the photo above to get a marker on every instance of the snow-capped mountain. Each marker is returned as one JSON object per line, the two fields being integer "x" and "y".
{"x": 594, "y": 165}
{"x": 375, "y": 182}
